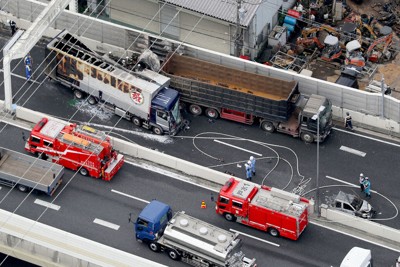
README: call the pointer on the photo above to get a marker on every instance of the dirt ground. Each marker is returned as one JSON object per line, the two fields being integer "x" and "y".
{"x": 390, "y": 70}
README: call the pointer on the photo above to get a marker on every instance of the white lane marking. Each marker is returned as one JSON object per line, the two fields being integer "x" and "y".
{"x": 368, "y": 137}
{"x": 353, "y": 151}
{"x": 47, "y": 204}
{"x": 126, "y": 195}
{"x": 256, "y": 238}
{"x": 354, "y": 236}
{"x": 243, "y": 149}
{"x": 171, "y": 174}
{"x": 341, "y": 181}
{"x": 106, "y": 224}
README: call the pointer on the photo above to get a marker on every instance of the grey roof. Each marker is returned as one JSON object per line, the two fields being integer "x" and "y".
{"x": 220, "y": 9}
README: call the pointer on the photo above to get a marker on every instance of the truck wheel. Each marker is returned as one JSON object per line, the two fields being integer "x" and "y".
{"x": 229, "y": 217}
{"x": 306, "y": 137}
{"x": 83, "y": 171}
{"x": 268, "y": 126}
{"x": 22, "y": 188}
{"x": 272, "y": 231}
{"x": 78, "y": 94}
{"x": 195, "y": 109}
{"x": 157, "y": 130}
{"x": 173, "y": 254}
{"x": 153, "y": 246}
{"x": 92, "y": 100}
{"x": 136, "y": 121}
{"x": 212, "y": 113}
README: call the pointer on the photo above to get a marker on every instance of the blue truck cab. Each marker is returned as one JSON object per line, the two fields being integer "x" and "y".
{"x": 151, "y": 223}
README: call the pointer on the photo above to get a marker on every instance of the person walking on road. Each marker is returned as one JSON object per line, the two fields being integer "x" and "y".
{"x": 248, "y": 172}
{"x": 347, "y": 121}
{"x": 361, "y": 180}
{"x": 253, "y": 165}
{"x": 28, "y": 66}
{"x": 367, "y": 187}
{"x": 13, "y": 26}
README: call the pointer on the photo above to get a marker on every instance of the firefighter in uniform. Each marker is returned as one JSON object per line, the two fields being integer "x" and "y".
{"x": 253, "y": 165}
{"x": 361, "y": 180}
{"x": 13, "y": 26}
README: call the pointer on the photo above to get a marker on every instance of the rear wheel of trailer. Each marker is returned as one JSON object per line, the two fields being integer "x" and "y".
{"x": 268, "y": 126}
{"x": 173, "y": 254}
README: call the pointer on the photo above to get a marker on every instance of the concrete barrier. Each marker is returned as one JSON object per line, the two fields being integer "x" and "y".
{"x": 368, "y": 226}
{"x": 48, "y": 246}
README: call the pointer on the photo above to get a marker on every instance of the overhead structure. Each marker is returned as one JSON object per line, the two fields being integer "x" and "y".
{"x": 27, "y": 40}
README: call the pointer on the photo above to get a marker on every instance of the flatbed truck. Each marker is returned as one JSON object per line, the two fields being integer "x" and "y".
{"x": 26, "y": 172}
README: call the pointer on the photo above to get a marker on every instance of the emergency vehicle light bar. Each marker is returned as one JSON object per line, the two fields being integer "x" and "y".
{"x": 228, "y": 184}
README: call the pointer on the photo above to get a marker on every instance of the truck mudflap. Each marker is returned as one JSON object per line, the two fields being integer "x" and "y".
{"x": 113, "y": 168}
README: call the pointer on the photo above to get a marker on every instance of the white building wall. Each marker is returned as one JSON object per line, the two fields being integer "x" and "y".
{"x": 137, "y": 13}
{"x": 208, "y": 34}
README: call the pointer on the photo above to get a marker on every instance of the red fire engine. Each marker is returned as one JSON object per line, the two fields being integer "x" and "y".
{"x": 75, "y": 147}
{"x": 269, "y": 209}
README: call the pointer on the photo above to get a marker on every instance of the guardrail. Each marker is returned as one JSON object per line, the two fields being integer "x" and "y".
{"x": 48, "y": 246}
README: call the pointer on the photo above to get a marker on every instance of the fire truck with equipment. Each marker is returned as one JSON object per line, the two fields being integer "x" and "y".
{"x": 77, "y": 147}
{"x": 278, "y": 212}
{"x": 139, "y": 95}
{"x": 189, "y": 239}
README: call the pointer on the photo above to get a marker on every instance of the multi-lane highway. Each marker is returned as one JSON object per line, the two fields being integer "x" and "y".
{"x": 283, "y": 162}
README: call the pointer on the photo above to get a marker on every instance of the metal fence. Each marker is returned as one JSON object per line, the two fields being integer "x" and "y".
{"x": 136, "y": 40}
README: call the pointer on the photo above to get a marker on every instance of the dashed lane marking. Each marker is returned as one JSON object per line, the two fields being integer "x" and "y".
{"x": 256, "y": 238}
{"x": 243, "y": 149}
{"x": 126, "y": 195}
{"x": 106, "y": 224}
{"x": 353, "y": 151}
{"x": 47, "y": 204}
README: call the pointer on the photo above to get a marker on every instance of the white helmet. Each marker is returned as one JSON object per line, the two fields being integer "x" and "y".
{"x": 249, "y": 162}
{"x": 251, "y": 157}
{"x": 246, "y": 165}
{"x": 361, "y": 175}
{"x": 366, "y": 178}
{"x": 8, "y": 21}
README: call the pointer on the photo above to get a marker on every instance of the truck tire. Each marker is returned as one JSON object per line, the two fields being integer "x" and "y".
{"x": 136, "y": 121}
{"x": 92, "y": 100}
{"x": 153, "y": 246}
{"x": 268, "y": 126}
{"x": 22, "y": 188}
{"x": 306, "y": 137}
{"x": 212, "y": 113}
{"x": 79, "y": 94}
{"x": 157, "y": 130}
{"x": 229, "y": 217}
{"x": 173, "y": 254}
{"x": 83, "y": 171}
{"x": 272, "y": 231}
{"x": 195, "y": 109}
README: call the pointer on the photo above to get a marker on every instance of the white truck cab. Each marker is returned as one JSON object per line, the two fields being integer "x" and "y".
{"x": 357, "y": 257}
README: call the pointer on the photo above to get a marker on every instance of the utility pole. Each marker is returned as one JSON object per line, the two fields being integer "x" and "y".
{"x": 238, "y": 30}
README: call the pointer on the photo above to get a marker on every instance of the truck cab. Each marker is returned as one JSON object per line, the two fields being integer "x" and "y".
{"x": 353, "y": 205}
{"x": 357, "y": 257}
{"x": 311, "y": 108}
{"x": 151, "y": 223}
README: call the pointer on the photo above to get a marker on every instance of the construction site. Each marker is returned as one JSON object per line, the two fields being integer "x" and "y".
{"x": 352, "y": 43}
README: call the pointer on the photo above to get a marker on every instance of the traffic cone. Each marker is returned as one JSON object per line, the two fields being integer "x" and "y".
{"x": 203, "y": 205}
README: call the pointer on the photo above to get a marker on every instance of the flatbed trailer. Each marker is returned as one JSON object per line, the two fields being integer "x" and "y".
{"x": 27, "y": 172}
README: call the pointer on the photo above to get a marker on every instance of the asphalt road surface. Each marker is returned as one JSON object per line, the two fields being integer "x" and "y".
{"x": 283, "y": 162}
